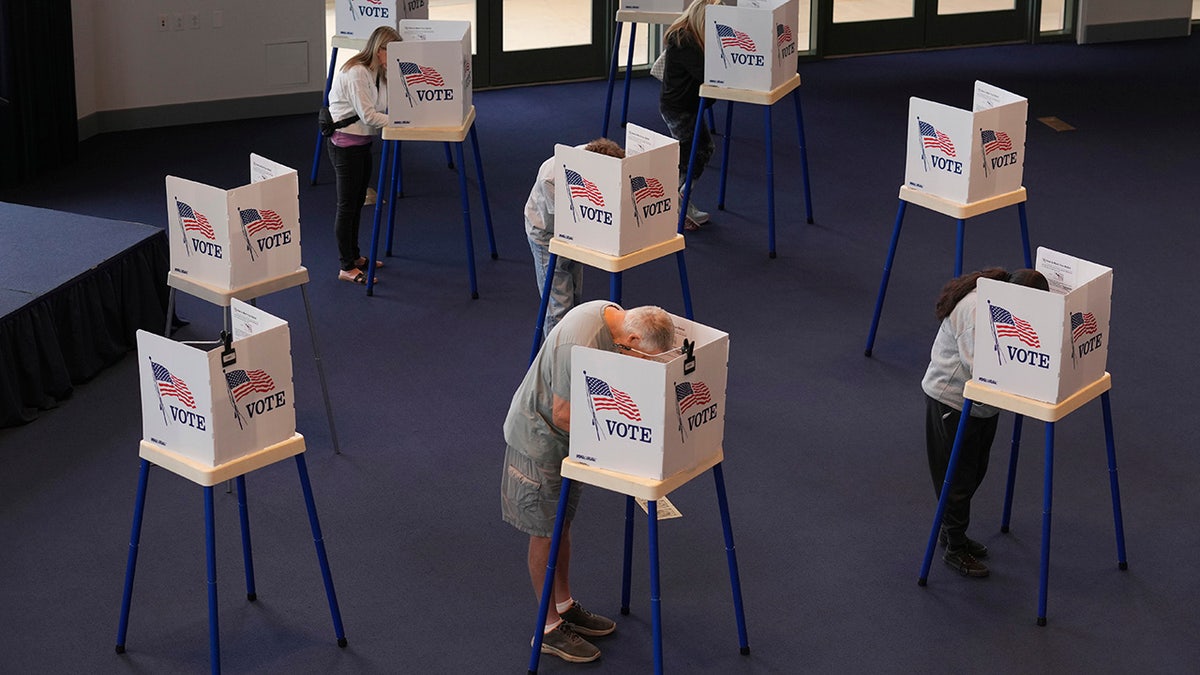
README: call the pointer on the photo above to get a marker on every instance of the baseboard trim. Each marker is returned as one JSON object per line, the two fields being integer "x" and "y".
{"x": 1135, "y": 30}
{"x": 199, "y": 112}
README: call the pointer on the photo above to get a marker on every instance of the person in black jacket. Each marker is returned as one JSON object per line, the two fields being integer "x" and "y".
{"x": 683, "y": 73}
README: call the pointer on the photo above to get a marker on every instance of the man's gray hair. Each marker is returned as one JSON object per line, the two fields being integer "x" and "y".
{"x": 653, "y": 325}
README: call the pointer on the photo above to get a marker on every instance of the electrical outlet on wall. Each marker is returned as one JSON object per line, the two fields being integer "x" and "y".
{"x": 177, "y": 21}
{"x": 162, "y": 22}
{"x": 194, "y": 20}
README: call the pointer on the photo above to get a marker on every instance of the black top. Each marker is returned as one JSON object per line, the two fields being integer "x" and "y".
{"x": 683, "y": 73}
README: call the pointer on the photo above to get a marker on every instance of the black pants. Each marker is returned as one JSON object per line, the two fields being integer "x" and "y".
{"x": 941, "y": 425}
{"x": 352, "y": 167}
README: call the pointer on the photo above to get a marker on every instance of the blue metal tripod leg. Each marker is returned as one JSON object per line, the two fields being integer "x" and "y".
{"x": 687, "y": 181}
{"x": 542, "y": 305}
{"x": 612, "y": 76}
{"x": 384, "y": 151}
{"x": 731, "y": 555}
{"x": 466, "y": 207}
{"x": 1047, "y": 499}
{"x": 887, "y": 273}
{"x": 627, "y": 558}
{"x": 319, "y": 543}
{"x": 397, "y": 170}
{"x": 210, "y": 548}
{"x": 1110, "y": 444}
{"x": 808, "y": 211}
{"x": 725, "y": 153}
{"x": 628, "y": 74}
{"x": 951, "y": 467}
{"x": 247, "y": 556}
{"x": 135, "y": 535}
{"x": 958, "y": 247}
{"x": 1012, "y": 472}
{"x": 316, "y": 163}
{"x": 548, "y": 584}
{"x": 483, "y": 195}
{"x": 1025, "y": 234}
{"x": 655, "y": 588}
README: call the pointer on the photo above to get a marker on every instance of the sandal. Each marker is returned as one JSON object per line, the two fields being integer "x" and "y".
{"x": 362, "y": 262}
{"x": 354, "y": 276}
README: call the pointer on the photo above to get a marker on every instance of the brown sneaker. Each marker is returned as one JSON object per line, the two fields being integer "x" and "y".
{"x": 966, "y": 564}
{"x": 586, "y": 623}
{"x": 566, "y": 644}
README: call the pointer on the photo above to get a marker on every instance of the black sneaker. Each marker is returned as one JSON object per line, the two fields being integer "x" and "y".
{"x": 586, "y": 623}
{"x": 975, "y": 548}
{"x": 966, "y": 564}
{"x": 566, "y": 644}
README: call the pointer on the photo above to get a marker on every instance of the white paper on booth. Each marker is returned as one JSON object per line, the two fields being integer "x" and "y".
{"x": 262, "y": 168}
{"x": 249, "y": 320}
{"x": 988, "y": 96}
{"x": 413, "y": 9}
{"x": 666, "y": 510}
{"x": 413, "y": 29}
{"x": 1058, "y": 268}
{"x": 639, "y": 140}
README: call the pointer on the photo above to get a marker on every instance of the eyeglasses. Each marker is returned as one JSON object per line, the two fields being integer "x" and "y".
{"x": 669, "y": 352}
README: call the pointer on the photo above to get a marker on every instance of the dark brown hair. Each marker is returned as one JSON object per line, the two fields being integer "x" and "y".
{"x": 957, "y": 288}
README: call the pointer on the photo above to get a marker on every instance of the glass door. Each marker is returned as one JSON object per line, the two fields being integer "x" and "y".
{"x": 863, "y": 26}
{"x": 524, "y": 41}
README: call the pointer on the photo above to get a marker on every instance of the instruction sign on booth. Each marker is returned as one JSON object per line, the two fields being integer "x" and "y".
{"x": 751, "y": 45}
{"x": 359, "y": 18}
{"x": 618, "y": 206}
{"x": 1045, "y": 345}
{"x": 230, "y": 239}
{"x": 215, "y": 406}
{"x": 650, "y": 418}
{"x": 967, "y": 156}
{"x": 429, "y": 74}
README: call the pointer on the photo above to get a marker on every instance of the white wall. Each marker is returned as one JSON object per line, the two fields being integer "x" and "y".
{"x": 261, "y": 48}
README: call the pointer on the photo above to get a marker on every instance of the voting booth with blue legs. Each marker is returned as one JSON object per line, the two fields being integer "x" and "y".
{"x": 214, "y": 416}
{"x": 654, "y": 426}
{"x": 961, "y": 164}
{"x": 621, "y": 213}
{"x": 1040, "y": 354}
{"x": 430, "y": 100}
{"x": 353, "y": 24}
{"x": 750, "y": 57}
{"x": 240, "y": 244}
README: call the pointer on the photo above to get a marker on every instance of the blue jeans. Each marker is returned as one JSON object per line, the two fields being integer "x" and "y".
{"x": 682, "y": 124}
{"x": 566, "y": 290}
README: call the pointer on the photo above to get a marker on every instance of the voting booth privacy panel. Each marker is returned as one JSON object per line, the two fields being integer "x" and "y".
{"x": 963, "y": 156}
{"x": 751, "y": 45}
{"x": 1044, "y": 345}
{"x": 618, "y": 206}
{"x": 359, "y": 18}
{"x": 234, "y": 238}
{"x": 215, "y": 406}
{"x": 429, "y": 74}
{"x": 650, "y": 418}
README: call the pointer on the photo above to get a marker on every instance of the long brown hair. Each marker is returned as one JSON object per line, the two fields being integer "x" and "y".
{"x": 957, "y": 288}
{"x": 690, "y": 23}
{"x": 379, "y": 39}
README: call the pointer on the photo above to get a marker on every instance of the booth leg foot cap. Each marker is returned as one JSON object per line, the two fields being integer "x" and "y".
{"x": 342, "y": 643}
{"x": 1004, "y": 529}
{"x": 922, "y": 581}
{"x": 771, "y": 255}
{"x": 1122, "y": 566}
{"x": 1041, "y": 621}
{"x": 120, "y": 649}
{"x": 625, "y": 611}
{"x": 745, "y": 651}
{"x": 252, "y": 596}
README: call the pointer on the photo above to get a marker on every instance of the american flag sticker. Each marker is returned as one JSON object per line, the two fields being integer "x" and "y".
{"x": 731, "y": 37}
{"x": 646, "y": 188}
{"x": 937, "y": 140}
{"x": 1008, "y": 324}
{"x": 606, "y": 398}
{"x": 583, "y": 188}
{"x": 194, "y": 221}
{"x": 257, "y": 220}
{"x": 241, "y": 383}
{"x": 995, "y": 141}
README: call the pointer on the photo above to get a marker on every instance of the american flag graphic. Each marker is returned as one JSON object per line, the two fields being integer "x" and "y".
{"x": 1082, "y": 323}
{"x": 1008, "y": 325}
{"x": 735, "y": 38}
{"x": 605, "y": 397}
{"x": 582, "y": 187}
{"x": 169, "y": 385}
{"x": 994, "y": 141}
{"x": 783, "y": 34}
{"x": 418, "y": 74}
{"x": 243, "y": 382}
{"x": 257, "y": 220}
{"x": 194, "y": 221}
{"x": 932, "y": 138}
{"x": 688, "y": 394}
{"x": 645, "y": 188}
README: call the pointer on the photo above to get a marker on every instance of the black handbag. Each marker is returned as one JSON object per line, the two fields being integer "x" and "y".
{"x": 326, "y": 124}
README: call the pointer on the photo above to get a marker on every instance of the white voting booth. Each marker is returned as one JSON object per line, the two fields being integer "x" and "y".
{"x": 359, "y": 18}
{"x": 967, "y": 156}
{"x": 618, "y": 206}
{"x": 216, "y": 406}
{"x": 650, "y": 418}
{"x": 229, "y": 239}
{"x": 429, "y": 74}
{"x": 751, "y": 45}
{"x": 1044, "y": 345}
